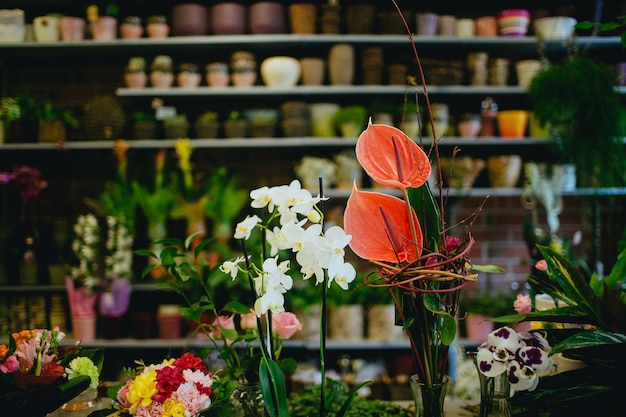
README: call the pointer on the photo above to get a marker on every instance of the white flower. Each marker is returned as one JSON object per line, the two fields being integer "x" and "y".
{"x": 342, "y": 273}
{"x": 261, "y": 197}
{"x": 231, "y": 267}
{"x": 244, "y": 229}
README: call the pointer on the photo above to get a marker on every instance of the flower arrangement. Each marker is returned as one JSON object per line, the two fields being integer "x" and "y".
{"x": 28, "y": 181}
{"x": 310, "y": 168}
{"x": 176, "y": 387}
{"x": 116, "y": 288}
{"x": 83, "y": 282}
{"x": 523, "y": 356}
{"x": 36, "y": 376}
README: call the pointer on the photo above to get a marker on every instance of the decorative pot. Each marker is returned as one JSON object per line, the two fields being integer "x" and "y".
{"x": 554, "y": 27}
{"x": 51, "y": 131}
{"x": 323, "y": 119}
{"x": 360, "y": 19}
{"x": 477, "y": 67}
{"x": 302, "y": 18}
{"x": 381, "y": 324}
{"x": 236, "y": 128}
{"x": 330, "y": 20}
{"x": 512, "y": 123}
{"x": 346, "y": 321}
{"x": 397, "y": 74}
{"x": 135, "y": 79}
{"x": 104, "y": 28}
{"x": 131, "y": 28}
{"x": 206, "y": 130}
{"x": 280, "y": 71}
{"x": 161, "y": 79}
{"x": 262, "y": 128}
{"x": 391, "y": 24}
{"x": 461, "y": 172}
{"x": 499, "y": 71}
{"x": 313, "y": 70}
{"x": 81, "y": 406}
{"x": 504, "y": 170}
{"x": 72, "y": 28}
{"x": 46, "y": 28}
{"x": 243, "y": 69}
{"x": 188, "y": 76}
{"x": 190, "y": 19}
{"x": 513, "y": 22}
{"x": 469, "y": 125}
{"x": 486, "y": 26}
{"x": 157, "y": 27}
{"x": 526, "y": 70}
{"x": 176, "y": 130}
{"x": 169, "y": 321}
{"x": 267, "y": 17}
{"x": 228, "y": 19}
{"x": 84, "y": 328}
{"x": 217, "y": 74}
{"x": 426, "y": 23}
{"x": 429, "y": 400}
{"x": 145, "y": 130}
{"x": 341, "y": 64}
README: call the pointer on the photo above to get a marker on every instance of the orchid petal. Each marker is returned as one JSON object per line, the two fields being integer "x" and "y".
{"x": 391, "y": 158}
{"x": 372, "y": 239}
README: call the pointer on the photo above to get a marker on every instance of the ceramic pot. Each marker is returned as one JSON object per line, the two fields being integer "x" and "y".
{"x": 131, "y": 28}
{"x": 504, "y": 170}
{"x": 381, "y": 324}
{"x": 190, "y": 19}
{"x": 161, "y": 79}
{"x": 469, "y": 125}
{"x": 169, "y": 321}
{"x": 51, "y": 131}
{"x": 461, "y": 172}
{"x": 476, "y": 326}
{"x": 557, "y": 27}
{"x": 526, "y": 70}
{"x": 280, "y": 71}
{"x": 84, "y": 328}
{"x": 303, "y": 18}
{"x": 512, "y": 123}
{"x": 104, "y": 28}
{"x": 465, "y": 28}
{"x": 447, "y": 25}
{"x": 499, "y": 71}
{"x": 135, "y": 79}
{"x": 267, "y": 17}
{"x": 188, "y": 75}
{"x": 486, "y": 26}
{"x": 313, "y": 71}
{"x": 513, "y": 22}
{"x": 228, "y": 19}
{"x": 426, "y": 24}
{"x": 157, "y": 27}
{"x": 477, "y": 67}
{"x": 217, "y": 74}
{"x": 341, "y": 63}
{"x": 322, "y": 119}
{"x": 46, "y": 28}
{"x": 72, "y": 28}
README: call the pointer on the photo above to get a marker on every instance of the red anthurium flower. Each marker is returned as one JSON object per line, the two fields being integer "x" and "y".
{"x": 380, "y": 227}
{"x": 391, "y": 158}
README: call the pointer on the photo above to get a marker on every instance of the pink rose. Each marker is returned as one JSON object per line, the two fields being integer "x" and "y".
{"x": 285, "y": 324}
{"x": 121, "y": 395}
{"x": 522, "y": 304}
{"x": 248, "y": 321}
{"x": 542, "y": 265}
{"x": 222, "y": 322}
{"x": 10, "y": 365}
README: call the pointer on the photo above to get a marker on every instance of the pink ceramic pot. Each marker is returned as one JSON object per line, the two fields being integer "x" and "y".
{"x": 104, "y": 28}
{"x": 190, "y": 19}
{"x": 228, "y": 19}
{"x": 513, "y": 22}
{"x": 267, "y": 17}
{"x": 72, "y": 28}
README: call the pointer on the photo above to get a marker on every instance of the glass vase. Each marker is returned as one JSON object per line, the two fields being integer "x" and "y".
{"x": 248, "y": 400}
{"x": 494, "y": 395}
{"x": 81, "y": 406}
{"x": 429, "y": 400}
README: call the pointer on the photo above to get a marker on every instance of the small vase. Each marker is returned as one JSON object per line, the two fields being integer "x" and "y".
{"x": 494, "y": 395}
{"x": 248, "y": 401}
{"x": 428, "y": 400}
{"x": 81, "y": 406}
{"x": 84, "y": 328}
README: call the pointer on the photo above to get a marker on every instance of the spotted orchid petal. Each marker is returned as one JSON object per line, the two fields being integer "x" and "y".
{"x": 380, "y": 227}
{"x": 522, "y": 377}
{"x": 391, "y": 158}
{"x": 488, "y": 365}
{"x": 504, "y": 338}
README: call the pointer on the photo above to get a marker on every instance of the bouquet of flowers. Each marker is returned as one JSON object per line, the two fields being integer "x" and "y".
{"x": 176, "y": 387}
{"x": 36, "y": 376}
{"x": 84, "y": 282}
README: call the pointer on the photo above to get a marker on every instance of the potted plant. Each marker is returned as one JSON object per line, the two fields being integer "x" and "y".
{"x": 577, "y": 101}
{"x": 53, "y": 122}
{"x": 263, "y": 123}
{"x": 9, "y": 112}
{"x": 236, "y": 125}
{"x": 176, "y": 127}
{"x": 145, "y": 125}
{"x": 19, "y": 115}
{"x": 351, "y": 120}
{"x": 103, "y": 20}
{"x": 207, "y": 125}
{"x": 382, "y": 112}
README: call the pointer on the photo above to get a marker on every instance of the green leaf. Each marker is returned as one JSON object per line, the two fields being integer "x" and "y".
{"x": 486, "y": 268}
{"x": 148, "y": 270}
{"x": 189, "y": 240}
{"x": 236, "y": 307}
{"x": 448, "y": 330}
{"x": 586, "y": 339}
{"x": 170, "y": 286}
{"x": 427, "y": 210}
{"x": 348, "y": 402}
{"x": 288, "y": 365}
{"x": 273, "y": 388}
{"x": 201, "y": 246}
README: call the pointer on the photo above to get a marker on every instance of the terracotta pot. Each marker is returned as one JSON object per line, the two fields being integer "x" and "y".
{"x": 190, "y": 19}
{"x": 135, "y": 79}
{"x": 267, "y": 17}
{"x": 228, "y": 19}
{"x": 104, "y": 28}
{"x": 217, "y": 74}
{"x": 131, "y": 28}
{"x": 84, "y": 328}
{"x": 157, "y": 27}
{"x": 72, "y": 28}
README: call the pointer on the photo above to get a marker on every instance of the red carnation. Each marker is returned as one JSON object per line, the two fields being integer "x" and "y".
{"x": 168, "y": 381}
{"x": 189, "y": 361}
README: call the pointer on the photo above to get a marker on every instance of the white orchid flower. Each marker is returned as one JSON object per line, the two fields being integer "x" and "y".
{"x": 244, "y": 229}
{"x": 342, "y": 273}
{"x": 261, "y": 197}
{"x": 231, "y": 267}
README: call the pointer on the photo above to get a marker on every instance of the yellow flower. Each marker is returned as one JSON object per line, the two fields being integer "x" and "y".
{"x": 172, "y": 408}
{"x": 120, "y": 147}
{"x": 183, "y": 151}
{"x": 142, "y": 390}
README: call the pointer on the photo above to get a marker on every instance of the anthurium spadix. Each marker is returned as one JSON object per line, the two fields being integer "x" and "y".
{"x": 391, "y": 158}
{"x": 380, "y": 227}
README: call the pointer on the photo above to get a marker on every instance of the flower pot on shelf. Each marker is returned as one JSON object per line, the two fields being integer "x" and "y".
{"x": 72, "y": 28}
{"x": 104, "y": 28}
{"x": 51, "y": 131}
{"x": 303, "y": 18}
{"x": 190, "y": 19}
{"x": 347, "y": 323}
{"x": 131, "y": 28}
{"x": 228, "y": 18}
{"x": 206, "y": 130}
{"x": 330, "y": 19}
{"x": 360, "y": 19}
{"x": 267, "y": 17}
{"x": 236, "y": 128}
{"x": 476, "y": 326}
{"x": 504, "y": 170}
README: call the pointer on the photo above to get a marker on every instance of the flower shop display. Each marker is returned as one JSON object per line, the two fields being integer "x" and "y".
{"x": 596, "y": 304}
{"x": 37, "y": 376}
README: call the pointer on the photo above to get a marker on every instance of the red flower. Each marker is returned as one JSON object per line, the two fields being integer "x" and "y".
{"x": 168, "y": 380}
{"x": 189, "y": 361}
{"x": 380, "y": 227}
{"x": 449, "y": 246}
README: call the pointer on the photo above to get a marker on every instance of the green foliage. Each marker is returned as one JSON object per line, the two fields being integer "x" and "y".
{"x": 176, "y": 119}
{"x": 483, "y": 302}
{"x": 208, "y": 117}
{"x": 307, "y": 403}
{"x": 47, "y": 111}
{"x": 351, "y": 114}
{"x": 578, "y": 101}
{"x": 141, "y": 116}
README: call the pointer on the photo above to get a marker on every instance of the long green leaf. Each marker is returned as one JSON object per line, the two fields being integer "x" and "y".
{"x": 586, "y": 339}
{"x": 273, "y": 388}
{"x": 427, "y": 210}
{"x": 348, "y": 402}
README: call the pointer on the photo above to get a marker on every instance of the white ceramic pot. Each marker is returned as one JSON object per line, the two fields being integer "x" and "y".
{"x": 46, "y": 28}
{"x": 555, "y": 27}
{"x": 12, "y": 27}
{"x": 280, "y": 71}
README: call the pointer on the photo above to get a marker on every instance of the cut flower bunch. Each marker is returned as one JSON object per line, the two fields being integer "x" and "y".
{"x": 37, "y": 377}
